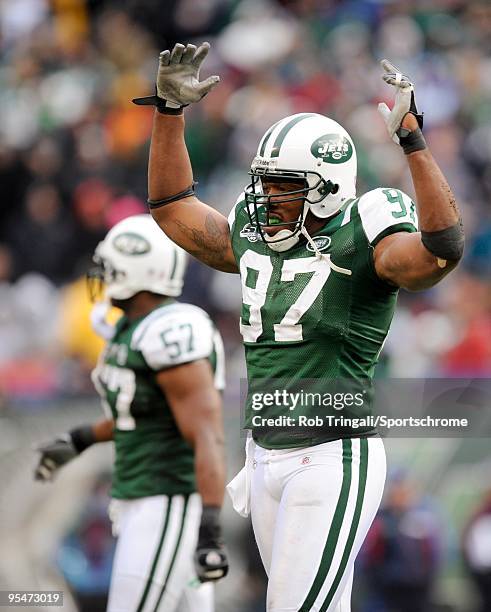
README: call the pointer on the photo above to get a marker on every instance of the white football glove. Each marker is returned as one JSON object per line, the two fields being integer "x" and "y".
{"x": 404, "y": 100}
{"x": 178, "y": 78}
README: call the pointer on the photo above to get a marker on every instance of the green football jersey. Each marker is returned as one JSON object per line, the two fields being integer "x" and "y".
{"x": 316, "y": 318}
{"x": 151, "y": 456}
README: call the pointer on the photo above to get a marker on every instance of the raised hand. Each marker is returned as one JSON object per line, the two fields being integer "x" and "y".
{"x": 178, "y": 81}
{"x": 404, "y": 100}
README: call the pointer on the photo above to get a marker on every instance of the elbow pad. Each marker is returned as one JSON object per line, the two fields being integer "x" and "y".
{"x": 447, "y": 243}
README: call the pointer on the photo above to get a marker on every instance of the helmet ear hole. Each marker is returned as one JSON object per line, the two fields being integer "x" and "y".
{"x": 327, "y": 188}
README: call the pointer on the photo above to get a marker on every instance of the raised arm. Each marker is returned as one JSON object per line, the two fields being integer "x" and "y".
{"x": 195, "y": 226}
{"x": 419, "y": 260}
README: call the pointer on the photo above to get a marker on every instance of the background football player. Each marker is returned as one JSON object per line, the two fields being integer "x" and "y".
{"x": 320, "y": 270}
{"x": 159, "y": 379}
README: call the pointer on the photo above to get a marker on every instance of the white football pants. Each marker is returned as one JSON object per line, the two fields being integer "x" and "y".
{"x": 153, "y": 565}
{"x": 311, "y": 509}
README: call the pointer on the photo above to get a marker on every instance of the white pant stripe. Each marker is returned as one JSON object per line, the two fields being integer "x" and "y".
{"x": 141, "y": 526}
{"x": 164, "y": 590}
{"x": 167, "y": 552}
{"x": 167, "y": 503}
{"x": 298, "y": 497}
{"x": 345, "y": 528}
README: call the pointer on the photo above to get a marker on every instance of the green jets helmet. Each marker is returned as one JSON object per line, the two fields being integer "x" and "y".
{"x": 137, "y": 256}
{"x": 313, "y": 151}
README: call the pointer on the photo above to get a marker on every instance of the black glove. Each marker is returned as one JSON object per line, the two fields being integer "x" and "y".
{"x": 210, "y": 558}
{"x": 62, "y": 450}
{"x": 53, "y": 455}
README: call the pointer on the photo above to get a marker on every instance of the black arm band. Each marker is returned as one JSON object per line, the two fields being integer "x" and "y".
{"x": 447, "y": 243}
{"x": 159, "y": 103}
{"x": 82, "y": 437}
{"x": 411, "y": 141}
{"x": 178, "y": 196}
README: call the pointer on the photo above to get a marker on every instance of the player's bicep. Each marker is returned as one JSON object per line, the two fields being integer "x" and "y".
{"x": 192, "y": 397}
{"x": 402, "y": 260}
{"x": 199, "y": 229}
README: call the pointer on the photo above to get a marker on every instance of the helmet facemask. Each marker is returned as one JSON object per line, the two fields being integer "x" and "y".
{"x": 309, "y": 147}
{"x": 312, "y": 188}
{"x": 100, "y": 275}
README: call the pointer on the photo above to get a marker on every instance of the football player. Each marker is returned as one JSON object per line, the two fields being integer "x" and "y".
{"x": 320, "y": 268}
{"x": 159, "y": 378}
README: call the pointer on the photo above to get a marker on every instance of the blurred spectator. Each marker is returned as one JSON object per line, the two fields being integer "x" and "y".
{"x": 43, "y": 237}
{"x": 470, "y": 308}
{"x": 73, "y": 161}
{"x": 73, "y": 149}
{"x": 401, "y": 555}
{"x": 28, "y": 324}
{"x": 85, "y": 556}
{"x": 477, "y": 552}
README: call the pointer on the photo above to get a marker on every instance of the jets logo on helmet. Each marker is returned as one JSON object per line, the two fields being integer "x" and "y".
{"x": 312, "y": 150}
{"x": 137, "y": 256}
{"x": 130, "y": 243}
{"x": 332, "y": 148}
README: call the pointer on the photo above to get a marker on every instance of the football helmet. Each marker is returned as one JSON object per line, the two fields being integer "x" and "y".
{"x": 310, "y": 149}
{"x": 137, "y": 256}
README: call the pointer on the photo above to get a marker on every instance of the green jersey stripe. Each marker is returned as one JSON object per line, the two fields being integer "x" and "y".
{"x": 354, "y": 525}
{"x": 266, "y": 138}
{"x": 157, "y": 555}
{"x": 393, "y": 229}
{"x": 334, "y": 530}
{"x": 174, "y": 265}
{"x": 176, "y": 550}
{"x": 347, "y": 207}
{"x": 275, "y": 151}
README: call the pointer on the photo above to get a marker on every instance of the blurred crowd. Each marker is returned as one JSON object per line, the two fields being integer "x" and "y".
{"x": 73, "y": 151}
{"x": 73, "y": 161}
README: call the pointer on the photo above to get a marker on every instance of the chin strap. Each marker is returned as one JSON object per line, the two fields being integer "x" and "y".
{"x": 309, "y": 239}
{"x": 325, "y": 256}
{"x": 288, "y": 241}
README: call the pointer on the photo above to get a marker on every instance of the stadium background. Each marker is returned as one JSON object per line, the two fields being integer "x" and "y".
{"x": 73, "y": 156}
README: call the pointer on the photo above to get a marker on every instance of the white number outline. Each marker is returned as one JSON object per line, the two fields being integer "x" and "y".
{"x": 254, "y": 298}
{"x": 288, "y": 329}
{"x": 123, "y": 382}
